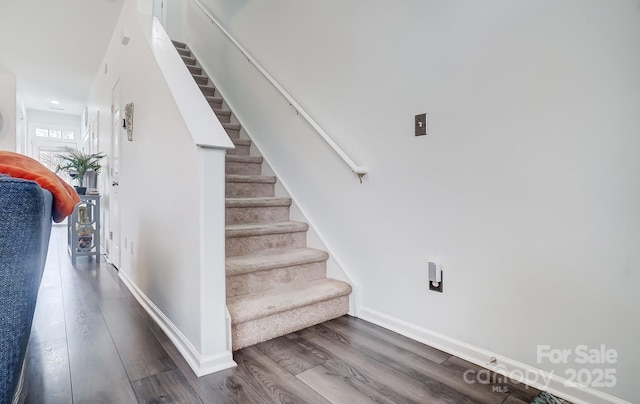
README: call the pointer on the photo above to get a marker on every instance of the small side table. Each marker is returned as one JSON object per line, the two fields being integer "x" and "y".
{"x": 83, "y": 228}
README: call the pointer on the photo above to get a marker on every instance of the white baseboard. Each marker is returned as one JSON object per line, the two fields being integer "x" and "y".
{"x": 518, "y": 371}
{"x": 201, "y": 365}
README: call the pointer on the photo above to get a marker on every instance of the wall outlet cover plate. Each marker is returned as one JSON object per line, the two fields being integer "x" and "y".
{"x": 421, "y": 124}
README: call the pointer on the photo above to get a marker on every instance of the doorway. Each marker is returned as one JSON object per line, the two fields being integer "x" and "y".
{"x": 114, "y": 180}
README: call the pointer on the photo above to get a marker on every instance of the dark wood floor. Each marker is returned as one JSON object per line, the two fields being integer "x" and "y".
{"x": 93, "y": 343}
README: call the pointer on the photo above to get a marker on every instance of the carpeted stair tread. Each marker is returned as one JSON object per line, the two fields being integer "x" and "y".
{"x": 201, "y": 79}
{"x": 212, "y": 99}
{"x": 208, "y": 91}
{"x": 264, "y": 229}
{"x": 223, "y": 115}
{"x": 222, "y": 112}
{"x": 189, "y": 61}
{"x": 231, "y": 126}
{"x": 241, "y": 142}
{"x": 264, "y": 179}
{"x": 260, "y": 202}
{"x": 275, "y": 258}
{"x": 184, "y": 52}
{"x": 195, "y": 69}
{"x": 290, "y": 297}
{"x": 256, "y": 208}
{"x": 179, "y": 44}
{"x": 244, "y": 159}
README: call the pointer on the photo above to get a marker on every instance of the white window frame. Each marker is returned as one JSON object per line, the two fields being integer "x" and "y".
{"x": 36, "y": 142}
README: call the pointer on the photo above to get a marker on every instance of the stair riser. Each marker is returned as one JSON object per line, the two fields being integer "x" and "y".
{"x": 266, "y": 328}
{"x": 248, "y": 190}
{"x": 224, "y": 118}
{"x": 189, "y": 61}
{"x": 257, "y": 215}
{"x": 215, "y": 103}
{"x": 201, "y": 80}
{"x": 195, "y": 69}
{"x": 240, "y": 150}
{"x": 232, "y": 167}
{"x": 260, "y": 281}
{"x": 233, "y": 133}
{"x": 208, "y": 91}
{"x": 247, "y": 245}
{"x": 184, "y": 52}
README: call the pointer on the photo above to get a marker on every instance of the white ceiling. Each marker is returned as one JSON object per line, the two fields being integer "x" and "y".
{"x": 55, "y": 48}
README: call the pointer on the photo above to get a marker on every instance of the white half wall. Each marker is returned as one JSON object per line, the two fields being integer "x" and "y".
{"x": 526, "y": 189}
{"x": 172, "y": 263}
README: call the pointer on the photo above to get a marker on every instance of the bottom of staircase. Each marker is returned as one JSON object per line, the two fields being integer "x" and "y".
{"x": 262, "y": 316}
{"x": 275, "y": 284}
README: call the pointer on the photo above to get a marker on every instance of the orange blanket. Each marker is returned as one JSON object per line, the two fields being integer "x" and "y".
{"x": 20, "y": 166}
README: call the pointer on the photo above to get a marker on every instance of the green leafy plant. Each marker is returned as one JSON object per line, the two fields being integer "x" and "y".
{"x": 77, "y": 163}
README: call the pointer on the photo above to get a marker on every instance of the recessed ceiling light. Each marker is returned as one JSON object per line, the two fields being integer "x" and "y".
{"x": 55, "y": 102}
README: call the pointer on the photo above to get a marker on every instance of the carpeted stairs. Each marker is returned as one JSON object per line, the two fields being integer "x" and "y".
{"x": 275, "y": 284}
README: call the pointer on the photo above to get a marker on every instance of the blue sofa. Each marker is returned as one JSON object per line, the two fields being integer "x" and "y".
{"x": 25, "y": 228}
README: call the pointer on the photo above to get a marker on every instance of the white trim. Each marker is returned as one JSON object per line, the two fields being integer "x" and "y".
{"x": 200, "y": 365}
{"x": 537, "y": 378}
{"x": 357, "y": 169}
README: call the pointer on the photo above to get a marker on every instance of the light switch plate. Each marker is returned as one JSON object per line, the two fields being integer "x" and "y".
{"x": 421, "y": 124}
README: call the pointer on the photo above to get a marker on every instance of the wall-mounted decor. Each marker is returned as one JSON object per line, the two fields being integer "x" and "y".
{"x": 128, "y": 120}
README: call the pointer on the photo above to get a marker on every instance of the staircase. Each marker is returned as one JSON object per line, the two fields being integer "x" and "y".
{"x": 275, "y": 284}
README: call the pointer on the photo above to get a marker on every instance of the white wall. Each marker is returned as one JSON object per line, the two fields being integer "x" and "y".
{"x": 54, "y": 119}
{"x": 176, "y": 19}
{"x": 8, "y": 109}
{"x": 161, "y": 196}
{"x": 526, "y": 188}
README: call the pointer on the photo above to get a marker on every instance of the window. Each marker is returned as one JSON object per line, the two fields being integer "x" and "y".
{"x": 48, "y": 157}
{"x": 54, "y": 133}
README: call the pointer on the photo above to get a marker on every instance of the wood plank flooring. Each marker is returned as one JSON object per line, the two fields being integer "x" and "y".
{"x": 93, "y": 343}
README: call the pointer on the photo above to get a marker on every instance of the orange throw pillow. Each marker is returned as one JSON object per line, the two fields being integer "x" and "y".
{"x": 65, "y": 197}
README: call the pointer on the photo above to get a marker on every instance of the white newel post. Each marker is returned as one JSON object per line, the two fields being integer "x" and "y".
{"x": 215, "y": 347}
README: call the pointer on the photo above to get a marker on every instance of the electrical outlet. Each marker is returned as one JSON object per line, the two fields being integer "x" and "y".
{"x": 437, "y": 288}
{"x": 421, "y": 124}
{"x": 435, "y": 277}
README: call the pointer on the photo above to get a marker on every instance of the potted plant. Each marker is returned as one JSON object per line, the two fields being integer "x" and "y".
{"x": 77, "y": 163}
